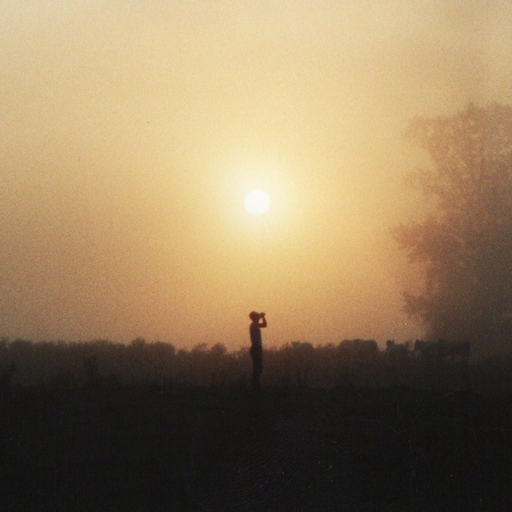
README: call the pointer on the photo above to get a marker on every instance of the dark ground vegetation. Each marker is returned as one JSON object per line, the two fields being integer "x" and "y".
{"x": 420, "y": 438}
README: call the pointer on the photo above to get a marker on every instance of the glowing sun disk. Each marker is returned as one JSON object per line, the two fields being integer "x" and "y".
{"x": 257, "y": 202}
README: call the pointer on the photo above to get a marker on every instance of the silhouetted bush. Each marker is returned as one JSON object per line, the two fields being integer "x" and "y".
{"x": 104, "y": 364}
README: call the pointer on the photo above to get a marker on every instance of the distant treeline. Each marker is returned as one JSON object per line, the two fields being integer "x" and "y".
{"x": 105, "y": 364}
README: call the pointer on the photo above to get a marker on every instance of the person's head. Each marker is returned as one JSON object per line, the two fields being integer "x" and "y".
{"x": 254, "y": 316}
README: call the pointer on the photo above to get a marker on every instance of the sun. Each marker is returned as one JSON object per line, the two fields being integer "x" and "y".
{"x": 257, "y": 202}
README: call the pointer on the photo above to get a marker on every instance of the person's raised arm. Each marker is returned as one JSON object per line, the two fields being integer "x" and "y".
{"x": 263, "y": 320}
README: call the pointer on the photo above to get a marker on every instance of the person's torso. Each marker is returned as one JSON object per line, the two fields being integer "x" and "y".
{"x": 255, "y": 332}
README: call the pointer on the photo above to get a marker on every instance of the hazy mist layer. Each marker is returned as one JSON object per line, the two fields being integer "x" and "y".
{"x": 130, "y": 134}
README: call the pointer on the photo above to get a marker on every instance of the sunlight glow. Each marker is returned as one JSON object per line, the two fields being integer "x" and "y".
{"x": 257, "y": 202}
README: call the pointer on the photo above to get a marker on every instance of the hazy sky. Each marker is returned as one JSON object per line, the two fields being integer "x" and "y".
{"x": 131, "y": 131}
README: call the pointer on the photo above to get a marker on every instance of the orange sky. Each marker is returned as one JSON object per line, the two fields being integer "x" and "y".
{"x": 131, "y": 131}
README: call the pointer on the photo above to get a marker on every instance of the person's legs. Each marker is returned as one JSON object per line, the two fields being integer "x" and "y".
{"x": 257, "y": 368}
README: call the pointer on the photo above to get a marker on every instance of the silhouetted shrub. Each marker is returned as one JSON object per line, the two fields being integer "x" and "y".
{"x": 102, "y": 363}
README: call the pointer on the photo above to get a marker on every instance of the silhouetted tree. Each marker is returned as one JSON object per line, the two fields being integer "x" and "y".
{"x": 218, "y": 359}
{"x": 300, "y": 356}
{"x": 397, "y": 352}
{"x": 464, "y": 245}
{"x": 91, "y": 371}
{"x": 6, "y": 376}
{"x": 358, "y": 349}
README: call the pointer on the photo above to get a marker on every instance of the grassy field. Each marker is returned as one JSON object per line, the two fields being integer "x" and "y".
{"x": 340, "y": 449}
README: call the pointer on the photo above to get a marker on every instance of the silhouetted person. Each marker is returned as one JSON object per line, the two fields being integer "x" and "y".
{"x": 256, "y": 347}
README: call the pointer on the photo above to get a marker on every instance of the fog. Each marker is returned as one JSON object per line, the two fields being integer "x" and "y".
{"x": 130, "y": 134}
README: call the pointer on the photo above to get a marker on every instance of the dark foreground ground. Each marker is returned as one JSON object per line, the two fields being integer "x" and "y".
{"x": 345, "y": 449}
